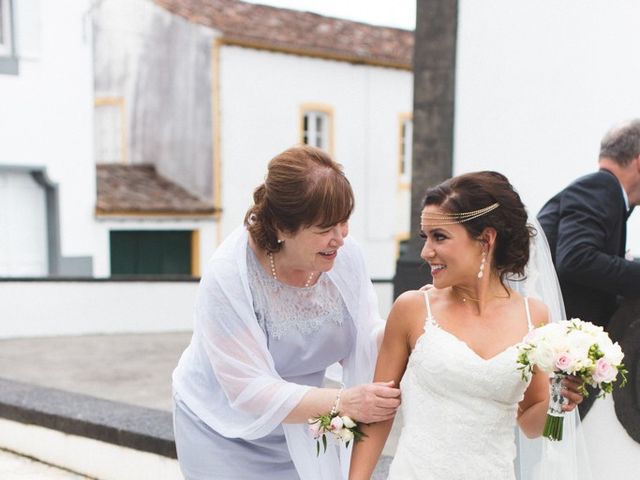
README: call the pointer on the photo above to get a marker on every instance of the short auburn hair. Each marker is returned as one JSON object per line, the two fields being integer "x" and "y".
{"x": 304, "y": 186}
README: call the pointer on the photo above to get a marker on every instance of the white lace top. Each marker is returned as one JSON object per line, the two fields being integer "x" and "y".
{"x": 459, "y": 410}
{"x": 307, "y": 329}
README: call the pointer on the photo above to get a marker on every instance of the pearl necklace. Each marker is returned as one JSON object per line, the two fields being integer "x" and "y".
{"x": 272, "y": 264}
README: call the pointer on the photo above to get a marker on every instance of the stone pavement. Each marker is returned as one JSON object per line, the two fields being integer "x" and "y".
{"x": 130, "y": 368}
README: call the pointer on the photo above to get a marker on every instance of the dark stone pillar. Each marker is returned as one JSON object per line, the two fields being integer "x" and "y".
{"x": 434, "y": 63}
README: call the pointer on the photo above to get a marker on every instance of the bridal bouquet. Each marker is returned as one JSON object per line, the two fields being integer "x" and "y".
{"x": 344, "y": 429}
{"x": 570, "y": 347}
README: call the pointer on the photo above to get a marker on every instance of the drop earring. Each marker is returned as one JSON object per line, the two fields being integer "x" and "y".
{"x": 482, "y": 262}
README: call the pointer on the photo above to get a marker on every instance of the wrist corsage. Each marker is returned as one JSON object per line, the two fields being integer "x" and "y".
{"x": 343, "y": 428}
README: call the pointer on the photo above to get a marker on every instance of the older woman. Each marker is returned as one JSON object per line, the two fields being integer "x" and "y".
{"x": 283, "y": 297}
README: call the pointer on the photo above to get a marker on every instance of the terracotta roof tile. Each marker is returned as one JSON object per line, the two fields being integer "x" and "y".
{"x": 298, "y": 32}
{"x": 139, "y": 189}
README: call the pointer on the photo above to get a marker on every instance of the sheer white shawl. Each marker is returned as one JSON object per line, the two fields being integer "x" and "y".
{"x": 227, "y": 376}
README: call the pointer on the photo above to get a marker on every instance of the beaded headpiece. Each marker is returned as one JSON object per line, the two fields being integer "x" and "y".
{"x": 445, "y": 218}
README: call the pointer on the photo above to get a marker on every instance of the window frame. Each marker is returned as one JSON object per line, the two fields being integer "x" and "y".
{"x": 405, "y": 145}
{"x": 120, "y": 104}
{"x": 6, "y": 30}
{"x": 8, "y": 58}
{"x": 316, "y": 110}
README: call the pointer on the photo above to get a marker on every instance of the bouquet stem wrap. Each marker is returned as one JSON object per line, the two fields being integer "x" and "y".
{"x": 555, "y": 415}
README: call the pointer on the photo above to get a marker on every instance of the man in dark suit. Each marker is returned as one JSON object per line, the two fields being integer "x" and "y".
{"x": 586, "y": 227}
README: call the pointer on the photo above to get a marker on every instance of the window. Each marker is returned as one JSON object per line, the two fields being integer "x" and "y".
{"x": 316, "y": 127}
{"x": 153, "y": 252}
{"x": 8, "y": 59}
{"x": 406, "y": 150}
{"x": 6, "y": 35}
{"x": 109, "y": 131}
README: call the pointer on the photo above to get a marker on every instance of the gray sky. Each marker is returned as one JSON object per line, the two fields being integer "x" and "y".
{"x": 392, "y": 13}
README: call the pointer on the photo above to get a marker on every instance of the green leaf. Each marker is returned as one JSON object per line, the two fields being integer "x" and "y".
{"x": 324, "y": 442}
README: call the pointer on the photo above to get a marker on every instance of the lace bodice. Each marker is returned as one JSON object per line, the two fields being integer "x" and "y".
{"x": 307, "y": 329}
{"x": 459, "y": 411}
{"x": 281, "y": 308}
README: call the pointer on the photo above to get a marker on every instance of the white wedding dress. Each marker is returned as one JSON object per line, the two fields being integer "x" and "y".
{"x": 459, "y": 410}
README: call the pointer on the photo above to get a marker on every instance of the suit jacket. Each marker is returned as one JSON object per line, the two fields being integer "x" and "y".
{"x": 585, "y": 225}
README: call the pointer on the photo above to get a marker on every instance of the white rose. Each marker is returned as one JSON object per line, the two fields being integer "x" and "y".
{"x": 346, "y": 435}
{"x": 579, "y": 343}
{"x": 543, "y": 356}
{"x": 596, "y": 330}
{"x": 556, "y": 338}
{"x": 613, "y": 353}
{"x": 348, "y": 422}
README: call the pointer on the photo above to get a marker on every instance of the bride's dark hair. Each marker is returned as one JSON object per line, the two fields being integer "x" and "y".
{"x": 477, "y": 190}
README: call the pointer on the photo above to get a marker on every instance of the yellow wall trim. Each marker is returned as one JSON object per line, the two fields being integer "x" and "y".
{"x": 195, "y": 253}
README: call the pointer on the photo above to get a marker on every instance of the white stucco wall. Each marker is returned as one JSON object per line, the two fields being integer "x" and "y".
{"x": 97, "y": 307}
{"x": 46, "y": 110}
{"x": 106, "y": 307}
{"x": 538, "y": 84}
{"x": 261, "y": 98}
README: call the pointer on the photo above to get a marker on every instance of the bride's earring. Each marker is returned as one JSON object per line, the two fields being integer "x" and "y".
{"x": 482, "y": 262}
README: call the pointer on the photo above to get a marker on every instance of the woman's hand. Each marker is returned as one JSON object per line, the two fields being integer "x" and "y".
{"x": 571, "y": 391}
{"x": 370, "y": 403}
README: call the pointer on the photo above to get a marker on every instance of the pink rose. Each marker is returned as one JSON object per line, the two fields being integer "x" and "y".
{"x": 563, "y": 362}
{"x": 604, "y": 372}
{"x": 336, "y": 424}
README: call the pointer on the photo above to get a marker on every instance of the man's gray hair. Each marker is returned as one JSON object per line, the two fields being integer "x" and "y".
{"x": 622, "y": 143}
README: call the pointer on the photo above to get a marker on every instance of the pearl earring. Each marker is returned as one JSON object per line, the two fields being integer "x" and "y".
{"x": 280, "y": 241}
{"x": 482, "y": 262}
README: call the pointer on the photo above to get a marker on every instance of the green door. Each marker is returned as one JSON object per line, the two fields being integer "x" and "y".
{"x": 150, "y": 252}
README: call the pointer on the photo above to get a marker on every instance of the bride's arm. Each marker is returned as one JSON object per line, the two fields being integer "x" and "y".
{"x": 392, "y": 361}
{"x": 532, "y": 410}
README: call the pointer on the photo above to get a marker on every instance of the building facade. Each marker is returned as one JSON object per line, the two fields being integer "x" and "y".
{"x": 47, "y": 177}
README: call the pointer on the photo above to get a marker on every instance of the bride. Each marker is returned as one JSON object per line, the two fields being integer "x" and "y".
{"x": 453, "y": 346}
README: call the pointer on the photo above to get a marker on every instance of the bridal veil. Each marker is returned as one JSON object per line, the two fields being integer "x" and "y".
{"x": 542, "y": 458}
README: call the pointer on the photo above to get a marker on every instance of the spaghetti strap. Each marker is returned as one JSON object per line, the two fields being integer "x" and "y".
{"x": 526, "y": 307}
{"x": 426, "y": 301}
{"x": 429, "y": 319}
